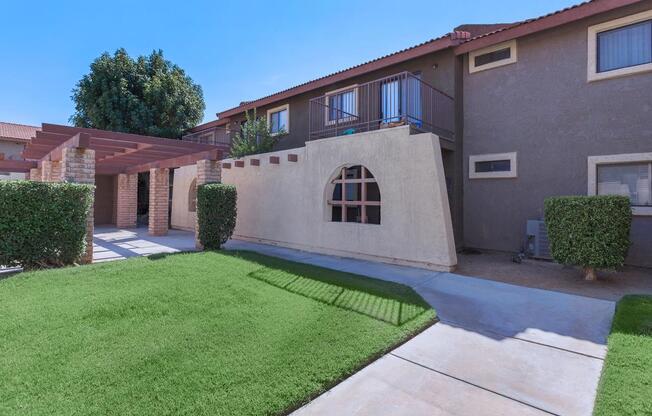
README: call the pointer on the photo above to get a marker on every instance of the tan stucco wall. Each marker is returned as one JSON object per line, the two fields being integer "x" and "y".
{"x": 285, "y": 204}
{"x": 11, "y": 150}
{"x": 182, "y": 219}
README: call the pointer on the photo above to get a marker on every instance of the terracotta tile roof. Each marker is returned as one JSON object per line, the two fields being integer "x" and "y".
{"x": 18, "y": 132}
{"x": 547, "y": 21}
{"x": 442, "y": 42}
{"x": 464, "y": 38}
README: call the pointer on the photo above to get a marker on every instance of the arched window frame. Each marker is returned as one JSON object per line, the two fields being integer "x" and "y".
{"x": 366, "y": 177}
{"x": 192, "y": 196}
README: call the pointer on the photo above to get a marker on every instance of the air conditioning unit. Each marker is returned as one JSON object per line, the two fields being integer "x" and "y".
{"x": 538, "y": 245}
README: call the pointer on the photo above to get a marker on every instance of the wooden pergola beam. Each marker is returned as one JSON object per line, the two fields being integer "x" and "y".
{"x": 177, "y": 162}
{"x": 49, "y": 139}
{"x": 79, "y": 140}
{"x": 127, "y": 137}
{"x": 18, "y": 166}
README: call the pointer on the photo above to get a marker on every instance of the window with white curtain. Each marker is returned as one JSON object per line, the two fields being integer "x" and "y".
{"x": 620, "y": 47}
{"x": 624, "y": 47}
{"x": 342, "y": 105}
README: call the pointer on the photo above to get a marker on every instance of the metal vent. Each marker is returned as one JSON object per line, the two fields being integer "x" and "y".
{"x": 537, "y": 239}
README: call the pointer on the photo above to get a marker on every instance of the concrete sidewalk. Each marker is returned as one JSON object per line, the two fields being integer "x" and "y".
{"x": 499, "y": 349}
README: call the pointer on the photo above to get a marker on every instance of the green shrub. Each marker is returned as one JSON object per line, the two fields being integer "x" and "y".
{"x": 43, "y": 224}
{"x": 216, "y": 214}
{"x": 589, "y": 231}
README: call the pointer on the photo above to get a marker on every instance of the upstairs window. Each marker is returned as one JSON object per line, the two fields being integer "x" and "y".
{"x": 342, "y": 105}
{"x": 355, "y": 197}
{"x": 493, "y": 56}
{"x": 624, "y": 47}
{"x": 278, "y": 119}
{"x": 620, "y": 47}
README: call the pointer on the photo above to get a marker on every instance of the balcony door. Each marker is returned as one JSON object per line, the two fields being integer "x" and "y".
{"x": 390, "y": 101}
{"x": 400, "y": 99}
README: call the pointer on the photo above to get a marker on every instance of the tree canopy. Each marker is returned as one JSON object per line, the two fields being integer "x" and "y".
{"x": 148, "y": 95}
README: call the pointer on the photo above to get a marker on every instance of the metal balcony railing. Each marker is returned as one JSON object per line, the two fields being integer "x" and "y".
{"x": 401, "y": 99}
{"x": 214, "y": 135}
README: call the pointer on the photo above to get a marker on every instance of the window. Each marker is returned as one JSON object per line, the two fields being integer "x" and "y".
{"x": 192, "y": 196}
{"x": 620, "y": 47}
{"x": 493, "y": 56}
{"x": 497, "y": 165}
{"x": 628, "y": 175}
{"x": 278, "y": 119}
{"x": 342, "y": 105}
{"x": 631, "y": 180}
{"x": 356, "y": 196}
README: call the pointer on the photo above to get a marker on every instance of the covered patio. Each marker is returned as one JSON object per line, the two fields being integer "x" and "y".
{"x": 112, "y": 161}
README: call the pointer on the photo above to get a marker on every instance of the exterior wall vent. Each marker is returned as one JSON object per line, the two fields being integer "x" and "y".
{"x": 538, "y": 245}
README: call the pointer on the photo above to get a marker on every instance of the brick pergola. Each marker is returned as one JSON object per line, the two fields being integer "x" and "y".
{"x": 61, "y": 153}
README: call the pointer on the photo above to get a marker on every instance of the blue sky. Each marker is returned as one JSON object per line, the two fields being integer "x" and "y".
{"x": 235, "y": 50}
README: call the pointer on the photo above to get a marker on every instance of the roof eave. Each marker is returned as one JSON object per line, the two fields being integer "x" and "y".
{"x": 547, "y": 22}
{"x": 435, "y": 45}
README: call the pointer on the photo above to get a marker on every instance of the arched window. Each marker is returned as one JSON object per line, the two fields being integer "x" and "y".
{"x": 356, "y": 196}
{"x": 192, "y": 196}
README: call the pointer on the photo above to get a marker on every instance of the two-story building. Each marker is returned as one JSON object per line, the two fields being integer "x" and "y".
{"x": 556, "y": 105}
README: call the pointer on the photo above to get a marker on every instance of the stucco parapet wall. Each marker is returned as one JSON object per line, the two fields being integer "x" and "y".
{"x": 286, "y": 204}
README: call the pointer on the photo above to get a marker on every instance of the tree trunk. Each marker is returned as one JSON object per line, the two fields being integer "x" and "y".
{"x": 590, "y": 274}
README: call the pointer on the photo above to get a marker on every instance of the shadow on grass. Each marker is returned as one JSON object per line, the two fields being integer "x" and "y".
{"x": 386, "y": 301}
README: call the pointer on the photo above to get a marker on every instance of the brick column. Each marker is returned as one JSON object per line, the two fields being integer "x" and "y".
{"x": 35, "y": 174}
{"x": 126, "y": 201}
{"x": 51, "y": 171}
{"x": 159, "y": 196}
{"x": 208, "y": 171}
{"x": 78, "y": 165}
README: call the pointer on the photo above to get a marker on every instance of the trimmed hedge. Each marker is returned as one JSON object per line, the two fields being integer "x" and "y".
{"x": 216, "y": 214}
{"x": 43, "y": 224}
{"x": 589, "y": 231}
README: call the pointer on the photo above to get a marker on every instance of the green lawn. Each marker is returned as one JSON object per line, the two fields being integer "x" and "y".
{"x": 203, "y": 333}
{"x": 626, "y": 383}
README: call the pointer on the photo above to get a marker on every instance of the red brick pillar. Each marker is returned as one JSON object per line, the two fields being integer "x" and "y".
{"x": 208, "y": 171}
{"x": 126, "y": 200}
{"x": 50, "y": 171}
{"x": 159, "y": 200}
{"x": 35, "y": 174}
{"x": 78, "y": 165}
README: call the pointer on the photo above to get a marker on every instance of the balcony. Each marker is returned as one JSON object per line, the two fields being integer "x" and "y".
{"x": 396, "y": 100}
{"x": 219, "y": 136}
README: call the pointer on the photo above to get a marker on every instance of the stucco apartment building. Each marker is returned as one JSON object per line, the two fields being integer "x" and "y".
{"x": 13, "y": 138}
{"x": 556, "y": 105}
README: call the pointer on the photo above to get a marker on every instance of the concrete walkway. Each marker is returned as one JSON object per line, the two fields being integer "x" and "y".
{"x": 499, "y": 349}
{"x": 110, "y": 243}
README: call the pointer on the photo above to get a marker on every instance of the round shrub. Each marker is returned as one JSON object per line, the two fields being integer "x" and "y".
{"x": 216, "y": 214}
{"x": 589, "y": 231}
{"x": 43, "y": 224}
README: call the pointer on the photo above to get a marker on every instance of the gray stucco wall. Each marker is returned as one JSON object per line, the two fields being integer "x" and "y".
{"x": 543, "y": 108}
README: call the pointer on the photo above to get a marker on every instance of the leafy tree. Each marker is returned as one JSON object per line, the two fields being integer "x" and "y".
{"x": 148, "y": 95}
{"x": 255, "y": 136}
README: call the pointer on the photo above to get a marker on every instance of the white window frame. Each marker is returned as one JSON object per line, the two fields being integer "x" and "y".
{"x": 354, "y": 88}
{"x": 511, "y": 173}
{"x": 625, "y": 158}
{"x": 276, "y": 110}
{"x": 592, "y": 54}
{"x": 513, "y": 56}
